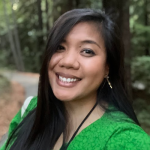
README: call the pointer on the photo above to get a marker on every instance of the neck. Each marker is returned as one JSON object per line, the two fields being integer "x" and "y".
{"x": 79, "y": 108}
{"x": 77, "y": 111}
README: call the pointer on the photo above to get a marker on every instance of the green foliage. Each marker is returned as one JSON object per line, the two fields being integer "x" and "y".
{"x": 141, "y": 71}
{"x": 141, "y": 75}
{"x": 142, "y": 111}
{"x": 140, "y": 27}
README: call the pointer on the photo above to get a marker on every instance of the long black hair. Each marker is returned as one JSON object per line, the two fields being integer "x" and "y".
{"x": 43, "y": 125}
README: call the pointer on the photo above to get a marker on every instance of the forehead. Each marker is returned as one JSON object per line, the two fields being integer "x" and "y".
{"x": 85, "y": 30}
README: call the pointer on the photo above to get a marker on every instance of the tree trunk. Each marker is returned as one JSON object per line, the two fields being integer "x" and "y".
{"x": 69, "y": 4}
{"x": 40, "y": 25}
{"x": 125, "y": 28}
{"x": 64, "y": 6}
{"x": 122, "y": 8}
{"x": 40, "y": 21}
{"x": 17, "y": 41}
{"x": 10, "y": 38}
{"x": 40, "y": 37}
{"x": 147, "y": 52}
{"x": 46, "y": 11}
{"x": 77, "y": 3}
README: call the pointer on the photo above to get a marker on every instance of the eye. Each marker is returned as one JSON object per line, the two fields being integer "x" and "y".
{"x": 60, "y": 48}
{"x": 87, "y": 52}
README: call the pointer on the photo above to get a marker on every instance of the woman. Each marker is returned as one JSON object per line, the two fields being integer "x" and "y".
{"x": 82, "y": 102}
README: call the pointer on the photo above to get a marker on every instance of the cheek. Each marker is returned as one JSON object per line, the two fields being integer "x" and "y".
{"x": 95, "y": 68}
{"x": 52, "y": 64}
{"x": 96, "y": 73}
{"x": 54, "y": 60}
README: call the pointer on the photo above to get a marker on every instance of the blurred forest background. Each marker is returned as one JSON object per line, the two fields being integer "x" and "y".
{"x": 25, "y": 24}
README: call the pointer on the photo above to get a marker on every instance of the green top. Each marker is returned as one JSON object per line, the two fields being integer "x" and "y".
{"x": 113, "y": 131}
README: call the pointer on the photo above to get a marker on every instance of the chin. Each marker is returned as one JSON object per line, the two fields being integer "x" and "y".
{"x": 63, "y": 97}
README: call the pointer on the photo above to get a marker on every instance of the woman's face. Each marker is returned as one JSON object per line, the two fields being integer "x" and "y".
{"x": 79, "y": 66}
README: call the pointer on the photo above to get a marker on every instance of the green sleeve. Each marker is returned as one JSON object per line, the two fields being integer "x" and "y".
{"x": 129, "y": 139}
{"x": 18, "y": 118}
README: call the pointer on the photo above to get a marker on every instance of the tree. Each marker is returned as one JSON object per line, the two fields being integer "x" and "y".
{"x": 139, "y": 25}
{"x": 60, "y": 7}
{"x": 14, "y": 45}
{"x": 147, "y": 52}
{"x": 122, "y": 8}
{"x": 17, "y": 40}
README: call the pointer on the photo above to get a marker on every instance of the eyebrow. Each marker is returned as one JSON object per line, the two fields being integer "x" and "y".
{"x": 85, "y": 42}
{"x": 90, "y": 42}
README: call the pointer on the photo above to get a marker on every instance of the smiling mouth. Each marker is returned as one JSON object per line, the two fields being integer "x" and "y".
{"x": 68, "y": 80}
{"x": 65, "y": 79}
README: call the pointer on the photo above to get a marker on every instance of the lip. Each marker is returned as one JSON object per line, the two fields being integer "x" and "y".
{"x": 66, "y": 84}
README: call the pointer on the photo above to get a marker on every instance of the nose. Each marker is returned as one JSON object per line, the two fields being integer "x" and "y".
{"x": 69, "y": 60}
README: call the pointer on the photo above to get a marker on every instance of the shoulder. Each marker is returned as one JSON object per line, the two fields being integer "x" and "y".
{"x": 125, "y": 134}
{"x": 128, "y": 137}
{"x": 29, "y": 104}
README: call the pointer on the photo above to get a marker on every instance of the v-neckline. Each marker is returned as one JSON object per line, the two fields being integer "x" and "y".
{"x": 87, "y": 128}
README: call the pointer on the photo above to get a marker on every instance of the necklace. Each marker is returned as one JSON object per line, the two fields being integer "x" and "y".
{"x": 65, "y": 146}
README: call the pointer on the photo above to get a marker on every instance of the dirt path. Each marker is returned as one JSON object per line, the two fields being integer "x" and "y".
{"x": 9, "y": 106}
{"x": 22, "y": 86}
{"x": 28, "y": 80}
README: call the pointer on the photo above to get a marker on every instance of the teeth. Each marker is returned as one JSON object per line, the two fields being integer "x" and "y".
{"x": 67, "y": 79}
{"x": 64, "y": 79}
